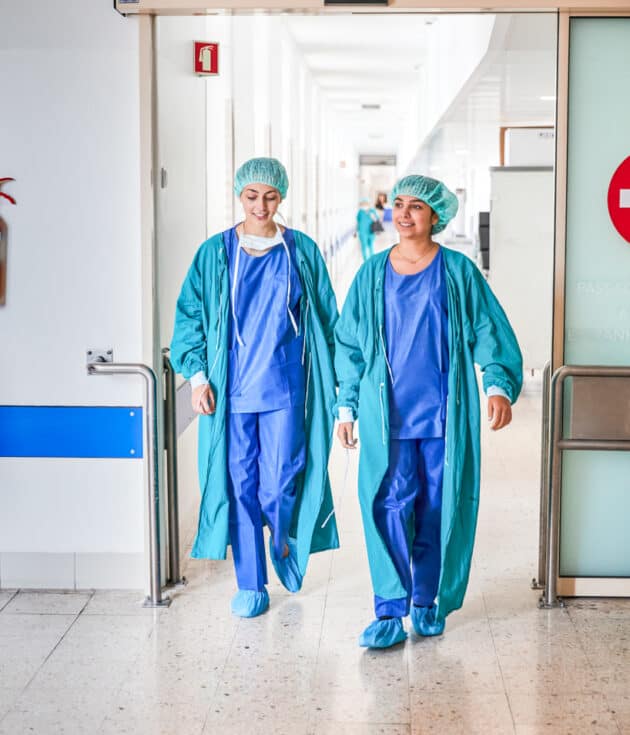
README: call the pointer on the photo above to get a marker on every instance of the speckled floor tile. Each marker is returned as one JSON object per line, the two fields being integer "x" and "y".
{"x": 133, "y": 715}
{"x": 47, "y": 603}
{"x": 5, "y": 597}
{"x": 8, "y": 697}
{"x": 257, "y": 725}
{"x": 570, "y": 714}
{"x": 460, "y": 714}
{"x": 57, "y": 710}
{"x": 26, "y": 641}
{"x": 463, "y": 659}
{"x": 121, "y": 602}
{"x": 387, "y": 704}
{"x": 360, "y": 728}
{"x": 285, "y": 696}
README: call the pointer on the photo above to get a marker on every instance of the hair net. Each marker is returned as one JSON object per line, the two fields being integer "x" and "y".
{"x": 262, "y": 171}
{"x": 442, "y": 201}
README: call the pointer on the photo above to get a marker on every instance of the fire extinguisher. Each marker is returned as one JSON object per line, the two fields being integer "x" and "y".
{"x": 4, "y": 232}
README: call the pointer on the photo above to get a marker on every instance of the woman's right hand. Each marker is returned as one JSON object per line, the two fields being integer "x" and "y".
{"x": 345, "y": 433}
{"x": 203, "y": 400}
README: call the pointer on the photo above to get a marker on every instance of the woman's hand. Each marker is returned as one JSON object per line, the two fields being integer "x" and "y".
{"x": 345, "y": 433}
{"x": 203, "y": 400}
{"x": 499, "y": 412}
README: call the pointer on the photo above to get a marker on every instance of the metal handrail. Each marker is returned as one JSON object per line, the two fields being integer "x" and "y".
{"x": 170, "y": 434}
{"x": 155, "y": 598}
{"x": 557, "y": 445}
{"x": 538, "y": 583}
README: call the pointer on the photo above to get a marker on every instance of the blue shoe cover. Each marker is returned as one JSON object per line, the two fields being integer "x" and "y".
{"x": 424, "y": 621}
{"x": 383, "y": 634}
{"x": 249, "y": 603}
{"x": 287, "y": 569}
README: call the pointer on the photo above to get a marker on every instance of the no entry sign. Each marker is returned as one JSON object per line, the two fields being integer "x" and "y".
{"x": 206, "y": 58}
{"x": 619, "y": 199}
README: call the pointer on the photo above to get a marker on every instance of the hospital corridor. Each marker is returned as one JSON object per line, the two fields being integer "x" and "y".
{"x": 314, "y": 368}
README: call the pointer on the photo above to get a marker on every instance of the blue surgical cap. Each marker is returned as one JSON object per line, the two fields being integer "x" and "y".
{"x": 262, "y": 171}
{"x": 442, "y": 201}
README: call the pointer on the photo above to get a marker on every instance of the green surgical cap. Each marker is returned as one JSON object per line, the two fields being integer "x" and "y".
{"x": 442, "y": 201}
{"x": 262, "y": 171}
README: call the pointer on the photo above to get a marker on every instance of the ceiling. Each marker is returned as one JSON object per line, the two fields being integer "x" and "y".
{"x": 365, "y": 59}
{"x": 514, "y": 85}
{"x": 516, "y": 81}
{"x": 377, "y": 60}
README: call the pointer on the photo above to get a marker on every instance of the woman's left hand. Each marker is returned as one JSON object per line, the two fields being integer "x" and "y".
{"x": 499, "y": 412}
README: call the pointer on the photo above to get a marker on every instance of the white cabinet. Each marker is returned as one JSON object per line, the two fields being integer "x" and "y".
{"x": 521, "y": 255}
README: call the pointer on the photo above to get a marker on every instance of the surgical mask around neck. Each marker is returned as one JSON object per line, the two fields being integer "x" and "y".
{"x": 256, "y": 242}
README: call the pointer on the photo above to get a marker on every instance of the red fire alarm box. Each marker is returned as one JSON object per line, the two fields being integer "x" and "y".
{"x": 206, "y": 58}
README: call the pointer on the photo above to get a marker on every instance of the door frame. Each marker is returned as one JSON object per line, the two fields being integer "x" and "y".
{"x": 148, "y": 10}
{"x": 572, "y": 586}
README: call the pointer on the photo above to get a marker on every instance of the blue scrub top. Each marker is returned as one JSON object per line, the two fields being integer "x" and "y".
{"x": 416, "y": 329}
{"x": 266, "y": 372}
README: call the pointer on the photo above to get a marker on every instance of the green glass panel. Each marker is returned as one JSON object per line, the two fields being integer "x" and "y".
{"x": 594, "y": 538}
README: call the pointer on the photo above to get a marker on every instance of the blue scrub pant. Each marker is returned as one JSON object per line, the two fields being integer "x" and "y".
{"x": 265, "y": 453}
{"x": 407, "y": 511}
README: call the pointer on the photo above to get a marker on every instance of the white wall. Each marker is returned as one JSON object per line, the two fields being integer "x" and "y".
{"x": 278, "y": 110}
{"x": 506, "y": 67}
{"x": 183, "y": 210}
{"x": 70, "y": 136}
{"x": 443, "y": 76}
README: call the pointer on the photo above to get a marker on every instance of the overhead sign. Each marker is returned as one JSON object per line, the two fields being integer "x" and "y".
{"x": 206, "y": 58}
{"x": 619, "y": 199}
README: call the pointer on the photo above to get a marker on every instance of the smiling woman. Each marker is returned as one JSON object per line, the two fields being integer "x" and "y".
{"x": 417, "y": 319}
{"x": 254, "y": 334}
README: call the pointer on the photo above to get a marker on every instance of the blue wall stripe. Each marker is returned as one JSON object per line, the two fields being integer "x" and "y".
{"x": 71, "y": 431}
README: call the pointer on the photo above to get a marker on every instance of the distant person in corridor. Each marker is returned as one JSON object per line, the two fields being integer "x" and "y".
{"x": 366, "y": 219}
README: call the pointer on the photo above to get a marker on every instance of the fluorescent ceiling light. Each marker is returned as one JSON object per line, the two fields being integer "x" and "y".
{"x": 548, "y": 97}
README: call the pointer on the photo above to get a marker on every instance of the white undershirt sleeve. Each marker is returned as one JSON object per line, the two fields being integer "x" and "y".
{"x": 198, "y": 379}
{"x": 345, "y": 414}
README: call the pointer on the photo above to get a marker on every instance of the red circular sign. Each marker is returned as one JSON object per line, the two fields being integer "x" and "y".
{"x": 619, "y": 199}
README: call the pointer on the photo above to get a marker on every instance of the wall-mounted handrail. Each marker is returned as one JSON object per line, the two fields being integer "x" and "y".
{"x": 170, "y": 434}
{"x": 155, "y": 598}
{"x": 557, "y": 444}
{"x": 538, "y": 582}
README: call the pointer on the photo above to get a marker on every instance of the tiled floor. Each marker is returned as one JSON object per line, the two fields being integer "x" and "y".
{"x": 100, "y": 664}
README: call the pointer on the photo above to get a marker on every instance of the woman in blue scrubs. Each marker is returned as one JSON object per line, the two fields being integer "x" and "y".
{"x": 415, "y": 321}
{"x": 254, "y": 335}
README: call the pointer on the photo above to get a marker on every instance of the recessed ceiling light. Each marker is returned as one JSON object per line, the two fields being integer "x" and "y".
{"x": 371, "y": 107}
